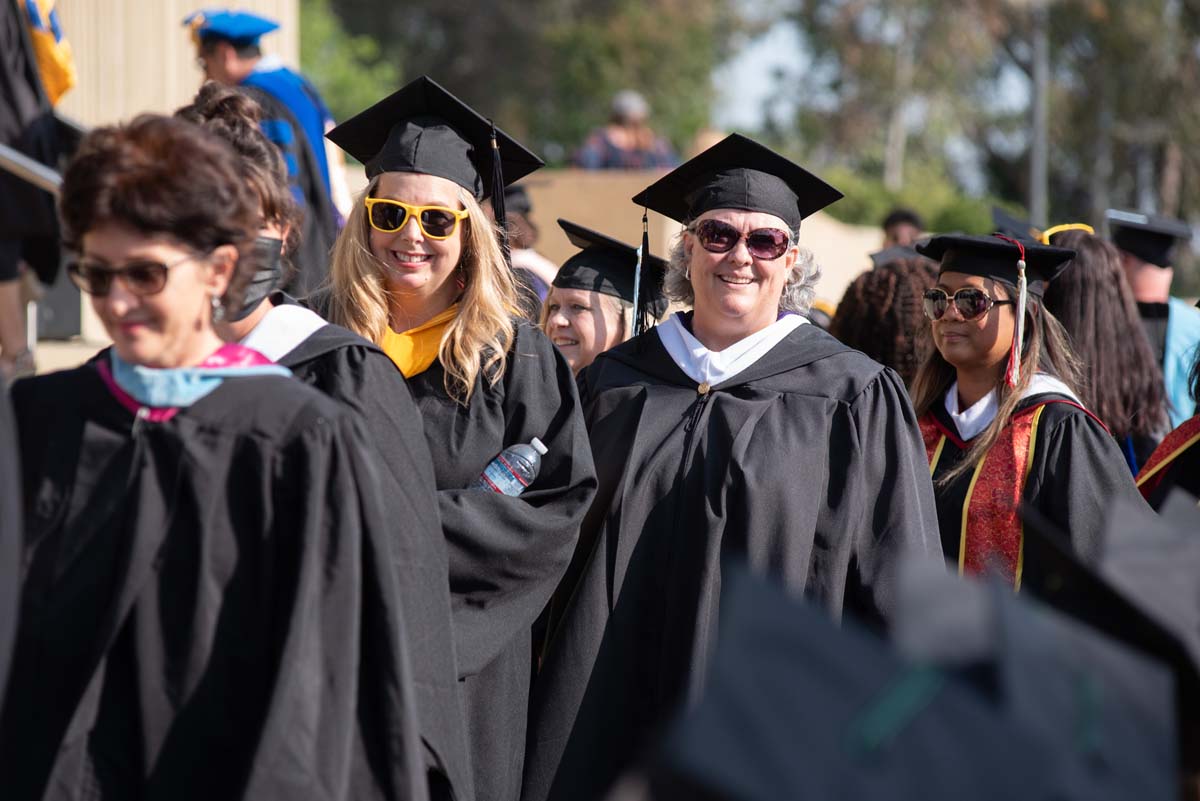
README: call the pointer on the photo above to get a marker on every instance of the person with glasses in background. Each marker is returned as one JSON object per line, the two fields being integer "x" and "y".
{"x": 735, "y": 430}
{"x": 1000, "y": 411}
{"x": 208, "y": 607}
{"x": 420, "y": 270}
{"x": 359, "y": 375}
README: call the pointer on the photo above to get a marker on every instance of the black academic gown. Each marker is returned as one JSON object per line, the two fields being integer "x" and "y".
{"x": 1077, "y": 470}
{"x": 359, "y": 375}
{"x": 506, "y": 554}
{"x": 808, "y": 465}
{"x": 208, "y": 609}
{"x": 10, "y": 534}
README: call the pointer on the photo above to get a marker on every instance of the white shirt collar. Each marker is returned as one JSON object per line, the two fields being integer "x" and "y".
{"x": 284, "y": 327}
{"x": 714, "y": 367}
{"x": 972, "y": 421}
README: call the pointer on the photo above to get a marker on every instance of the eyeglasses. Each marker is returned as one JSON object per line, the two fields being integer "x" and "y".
{"x": 142, "y": 278}
{"x": 721, "y": 237}
{"x": 436, "y": 222}
{"x": 971, "y": 303}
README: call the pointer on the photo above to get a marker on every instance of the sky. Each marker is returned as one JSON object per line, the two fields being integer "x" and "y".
{"x": 745, "y": 83}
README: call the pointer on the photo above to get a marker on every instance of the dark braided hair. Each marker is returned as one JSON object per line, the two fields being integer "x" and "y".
{"x": 881, "y": 315}
{"x": 1092, "y": 300}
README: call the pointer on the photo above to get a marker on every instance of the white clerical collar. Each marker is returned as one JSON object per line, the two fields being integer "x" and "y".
{"x": 269, "y": 64}
{"x": 284, "y": 327}
{"x": 714, "y": 367}
{"x": 971, "y": 421}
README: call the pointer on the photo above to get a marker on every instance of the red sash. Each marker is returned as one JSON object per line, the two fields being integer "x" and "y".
{"x": 1175, "y": 443}
{"x": 992, "y": 535}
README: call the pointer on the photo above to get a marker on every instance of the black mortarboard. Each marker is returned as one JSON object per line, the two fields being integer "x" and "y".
{"x": 423, "y": 128}
{"x": 895, "y": 253}
{"x": 1014, "y": 227}
{"x": 1108, "y": 707}
{"x": 516, "y": 199}
{"x": 607, "y": 266}
{"x": 996, "y": 258}
{"x": 1145, "y": 591}
{"x": 738, "y": 173}
{"x": 796, "y": 707}
{"x": 1149, "y": 237}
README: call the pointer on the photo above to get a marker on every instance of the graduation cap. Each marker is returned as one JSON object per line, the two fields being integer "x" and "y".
{"x": 1028, "y": 267}
{"x": 1148, "y": 236}
{"x": 1014, "y": 227}
{"x": 796, "y": 707}
{"x": 239, "y": 27}
{"x": 738, "y": 173}
{"x": 423, "y": 128}
{"x": 608, "y": 266}
{"x": 1110, "y": 707}
{"x": 895, "y": 253}
{"x": 516, "y": 199}
{"x": 1145, "y": 591}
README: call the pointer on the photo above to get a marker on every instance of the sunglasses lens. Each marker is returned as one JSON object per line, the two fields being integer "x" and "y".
{"x": 935, "y": 303}
{"x": 716, "y": 236}
{"x": 145, "y": 278}
{"x": 388, "y": 217}
{"x": 89, "y": 279}
{"x": 438, "y": 222}
{"x": 767, "y": 243}
{"x": 971, "y": 303}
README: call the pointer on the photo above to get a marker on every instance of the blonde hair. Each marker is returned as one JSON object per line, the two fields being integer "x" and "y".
{"x": 1045, "y": 350}
{"x": 798, "y": 292}
{"x": 479, "y": 337}
{"x": 622, "y": 308}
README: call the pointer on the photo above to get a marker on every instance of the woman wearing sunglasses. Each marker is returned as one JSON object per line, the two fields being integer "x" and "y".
{"x": 419, "y": 270}
{"x": 357, "y": 374}
{"x": 1002, "y": 422}
{"x": 207, "y": 565}
{"x": 736, "y": 430}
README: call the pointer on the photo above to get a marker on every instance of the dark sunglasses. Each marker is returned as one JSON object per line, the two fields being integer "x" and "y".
{"x": 971, "y": 303}
{"x": 389, "y": 216}
{"x": 721, "y": 237}
{"x": 140, "y": 277}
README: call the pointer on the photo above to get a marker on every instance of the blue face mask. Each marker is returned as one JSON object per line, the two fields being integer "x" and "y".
{"x": 178, "y": 387}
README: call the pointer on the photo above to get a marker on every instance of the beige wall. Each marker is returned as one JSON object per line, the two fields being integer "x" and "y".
{"x": 134, "y": 56}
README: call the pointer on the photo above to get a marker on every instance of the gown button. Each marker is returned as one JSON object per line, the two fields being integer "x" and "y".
{"x": 703, "y": 388}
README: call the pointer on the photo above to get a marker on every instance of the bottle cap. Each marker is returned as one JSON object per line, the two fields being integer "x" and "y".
{"x": 538, "y": 446}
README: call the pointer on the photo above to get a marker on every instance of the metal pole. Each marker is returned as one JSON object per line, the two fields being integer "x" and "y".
{"x": 1039, "y": 147}
{"x": 29, "y": 170}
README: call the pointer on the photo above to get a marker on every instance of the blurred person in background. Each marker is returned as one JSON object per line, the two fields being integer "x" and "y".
{"x": 1000, "y": 413}
{"x": 589, "y": 308}
{"x": 295, "y": 118}
{"x": 360, "y": 376}
{"x": 1122, "y": 383}
{"x": 208, "y": 600}
{"x": 627, "y": 142}
{"x": 36, "y": 68}
{"x": 881, "y": 313}
{"x": 901, "y": 228}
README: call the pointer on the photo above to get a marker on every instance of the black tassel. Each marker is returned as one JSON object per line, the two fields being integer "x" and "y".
{"x": 498, "y": 199}
{"x": 642, "y": 297}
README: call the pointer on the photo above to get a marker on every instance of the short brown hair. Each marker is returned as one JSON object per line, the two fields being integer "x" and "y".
{"x": 160, "y": 175}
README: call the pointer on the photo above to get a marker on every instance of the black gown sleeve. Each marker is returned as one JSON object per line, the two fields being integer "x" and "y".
{"x": 892, "y": 512}
{"x": 508, "y": 554}
{"x": 341, "y": 719}
{"x": 1080, "y": 472}
{"x": 10, "y": 533}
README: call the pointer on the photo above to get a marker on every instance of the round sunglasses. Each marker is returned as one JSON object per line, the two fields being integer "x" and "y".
{"x": 142, "y": 278}
{"x": 971, "y": 303}
{"x": 767, "y": 244}
{"x": 436, "y": 222}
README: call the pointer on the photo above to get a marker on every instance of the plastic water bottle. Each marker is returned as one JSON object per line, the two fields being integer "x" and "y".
{"x": 513, "y": 469}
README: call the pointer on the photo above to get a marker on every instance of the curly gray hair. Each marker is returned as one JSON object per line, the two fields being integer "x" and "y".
{"x": 798, "y": 293}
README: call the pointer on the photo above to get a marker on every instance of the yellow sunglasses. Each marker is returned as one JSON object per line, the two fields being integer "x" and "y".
{"x": 436, "y": 222}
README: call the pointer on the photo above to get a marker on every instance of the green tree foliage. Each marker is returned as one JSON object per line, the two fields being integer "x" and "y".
{"x": 547, "y": 69}
{"x": 350, "y": 71}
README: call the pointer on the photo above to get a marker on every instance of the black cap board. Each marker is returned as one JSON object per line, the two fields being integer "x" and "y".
{"x": 1149, "y": 237}
{"x": 423, "y": 128}
{"x": 1011, "y": 226}
{"x": 996, "y": 258}
{"x": 516, "y": 199}
{"x": 738, "y": 173}
{"x": 607, "y": 266}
